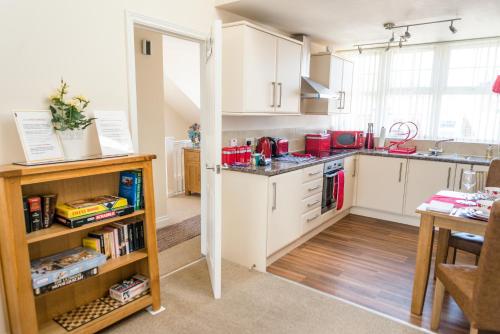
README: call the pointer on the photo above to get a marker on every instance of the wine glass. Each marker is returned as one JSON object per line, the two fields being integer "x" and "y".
{"x": 469, "y": 181}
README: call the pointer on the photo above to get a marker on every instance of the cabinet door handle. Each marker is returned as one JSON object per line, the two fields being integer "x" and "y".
{"x": 273, "y": 104}
{"x": 312, "y": 204}
{"x": 354, "y": 168}
{"x": 312, "y": 218}
{"x": 448, "y": 181}
{"x": 280, "y": 85}
{"x": 400, "y": 171}
{"x": 460, "y": 182}
{"x": 274, "y": 196}
{"x": 313, "y": 188}
{"x": 314, "y": 173}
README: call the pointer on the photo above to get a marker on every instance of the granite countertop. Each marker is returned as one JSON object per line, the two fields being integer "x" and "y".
{"x": 280, "y": 167}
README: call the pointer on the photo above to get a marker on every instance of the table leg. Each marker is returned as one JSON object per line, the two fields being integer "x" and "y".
{"x": 423, "y": 263}
{"x": 442, "y": 247}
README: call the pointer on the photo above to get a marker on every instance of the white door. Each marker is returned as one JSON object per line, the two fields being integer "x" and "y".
{"x": 288, "y": 77}
{"x": 260, "y": 73}
{"x": 381, "y": 183}
{"x": 425, "y": 178}
{"x": 211, "y": 157}
{"x": 349, "y": 181}
{"x": 336, "y": 72}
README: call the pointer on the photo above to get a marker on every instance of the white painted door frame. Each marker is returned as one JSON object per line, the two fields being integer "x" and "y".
{"x": 131, "y": 20}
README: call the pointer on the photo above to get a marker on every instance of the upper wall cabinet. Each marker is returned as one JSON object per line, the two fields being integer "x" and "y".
{"x": 260, "y": 71}
{"x": 336, "y": 74}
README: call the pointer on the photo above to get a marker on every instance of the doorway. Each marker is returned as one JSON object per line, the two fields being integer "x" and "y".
{"x": 174, "y": 79}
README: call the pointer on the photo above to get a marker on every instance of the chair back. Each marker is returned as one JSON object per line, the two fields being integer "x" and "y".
{"x": 486, "y": 295}
{"x": 493, "y": 178}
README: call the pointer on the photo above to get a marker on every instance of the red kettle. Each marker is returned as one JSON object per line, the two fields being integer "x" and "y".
{"x": 264, "y": 147}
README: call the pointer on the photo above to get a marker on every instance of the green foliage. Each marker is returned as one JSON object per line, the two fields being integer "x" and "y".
{"x": 69, "y": 115}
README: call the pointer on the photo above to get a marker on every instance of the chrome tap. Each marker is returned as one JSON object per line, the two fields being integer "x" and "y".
{"x": 436, "y": 150}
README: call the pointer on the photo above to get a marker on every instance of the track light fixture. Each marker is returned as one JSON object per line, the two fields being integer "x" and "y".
{"x": 452, "y": 28}
{"x": 407, "y": 32}
{"x": 404, "y": 38}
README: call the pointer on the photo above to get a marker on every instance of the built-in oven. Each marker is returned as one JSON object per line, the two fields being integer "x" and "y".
{"x": 333, "y": 186}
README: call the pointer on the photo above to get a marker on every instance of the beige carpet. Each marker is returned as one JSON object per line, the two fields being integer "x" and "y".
{"x": 252, "y": 302}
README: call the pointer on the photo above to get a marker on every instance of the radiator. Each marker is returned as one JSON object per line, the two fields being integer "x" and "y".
{"x": 175, "y": 164}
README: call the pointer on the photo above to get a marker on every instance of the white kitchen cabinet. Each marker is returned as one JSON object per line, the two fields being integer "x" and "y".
{"x": 381, "y": 183}
{"x": 260, "y": 71}
{"x": 426, "y": 178}
{"x": 285, "y": 209}
{"x": 336, "y": 74}
{"x": 350, "y": 165}
{"x": 464, "y": 167}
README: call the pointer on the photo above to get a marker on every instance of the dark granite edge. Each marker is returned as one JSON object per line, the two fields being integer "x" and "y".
{"x": 277, "y": 167}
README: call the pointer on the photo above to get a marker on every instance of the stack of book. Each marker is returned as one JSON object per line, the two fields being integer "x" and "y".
{"x": 53, "y": 272}
{"x": 77, "y": 213}
{"x": 39, "y": 211}
{"x": 131, "y": 188}
{"x": 117, "y": 239}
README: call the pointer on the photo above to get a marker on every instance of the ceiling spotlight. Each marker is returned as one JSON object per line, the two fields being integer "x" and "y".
{"x": 392, "y": 38}
{"x": 360, "y": 50}
{"x": 407, "y": 32}
{"x": 388, "y": 47}
{"x": 452, "y": 28}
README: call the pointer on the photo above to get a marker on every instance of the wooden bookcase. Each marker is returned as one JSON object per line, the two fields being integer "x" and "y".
{"x": 28, "y": 313}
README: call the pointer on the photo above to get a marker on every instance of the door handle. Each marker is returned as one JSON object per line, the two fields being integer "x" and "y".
{"x": 312, "y": 204}
{"x": 274, "y": 196}
{"x": 460, "y": 182}
{"x": 400, "y": 171}
{"x": 354, "y": 169}
{"x": 312, "y": 218}
{"x": 280, "y": 85}
{"x": 449, "y": 175}
{"x": 273, "y": 104}
{"x": 216, "y": 168}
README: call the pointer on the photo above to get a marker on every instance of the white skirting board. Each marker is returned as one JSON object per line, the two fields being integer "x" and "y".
{"x": 393, "y": 217}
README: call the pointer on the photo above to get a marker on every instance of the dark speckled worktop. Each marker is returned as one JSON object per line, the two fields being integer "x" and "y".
{"x": 279, "y": 167}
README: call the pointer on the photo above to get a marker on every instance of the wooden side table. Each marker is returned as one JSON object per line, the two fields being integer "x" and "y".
{"x": 192, "y": 171}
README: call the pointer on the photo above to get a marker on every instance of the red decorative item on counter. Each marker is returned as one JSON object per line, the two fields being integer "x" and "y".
{"x": 496, "y": 85}
{"x": 317, "y": 143}
{"x": 236, "y": 155}
{"x": 264, "y": 147}
{"x": 347, "y": 139}
{"x": 370, "y": 140}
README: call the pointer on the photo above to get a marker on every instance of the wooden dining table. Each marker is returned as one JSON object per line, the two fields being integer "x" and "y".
{"x": 446, "y": 223}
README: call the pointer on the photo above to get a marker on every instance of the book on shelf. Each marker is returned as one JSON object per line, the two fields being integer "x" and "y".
{"x": 90, "y": 206}
{"x": 27, "y": 221}
{"x": 48, "y": 209}
{"x": 65, "y": 281}
{"x": 117, "y": 239}
{"x": 92, "y": 218}
{"x": 35, "y": 212}
{"x": 53, "y": 268}
{"x": 131, "y": 187}
{"x": 129, "y": 288}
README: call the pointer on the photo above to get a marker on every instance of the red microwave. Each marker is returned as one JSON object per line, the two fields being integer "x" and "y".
{"x": 347, "y": 139}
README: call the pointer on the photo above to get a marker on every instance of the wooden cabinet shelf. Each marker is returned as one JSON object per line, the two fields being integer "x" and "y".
{"x": 110, "y": 265}
{"x": 30, "y": 314}
{"x": 58, "y": 230}
{"x": 51, "y": 327}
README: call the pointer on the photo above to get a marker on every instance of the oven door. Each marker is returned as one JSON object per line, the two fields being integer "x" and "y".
{"x": 328, "y": 200}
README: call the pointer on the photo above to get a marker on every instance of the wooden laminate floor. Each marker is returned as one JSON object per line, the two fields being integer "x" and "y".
{"x": 369, "y": 262}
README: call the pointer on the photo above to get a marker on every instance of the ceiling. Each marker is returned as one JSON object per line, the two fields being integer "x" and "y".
{"x": 342, "y": 23}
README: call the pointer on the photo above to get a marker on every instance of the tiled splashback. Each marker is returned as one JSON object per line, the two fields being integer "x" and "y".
{"x": 296, "y": 141}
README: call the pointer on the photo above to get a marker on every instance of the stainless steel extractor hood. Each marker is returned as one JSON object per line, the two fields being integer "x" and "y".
{"x": 311, "y": 89}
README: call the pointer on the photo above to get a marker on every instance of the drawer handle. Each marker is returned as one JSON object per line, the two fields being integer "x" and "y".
{"x": 448, "y": 180}
{"x": 400, "y": 171}
{"x": 312, "y": 204}
{"x": 313, "y": 188}
{"x": 314, "y": 173}
{"x": 313, "y": 218}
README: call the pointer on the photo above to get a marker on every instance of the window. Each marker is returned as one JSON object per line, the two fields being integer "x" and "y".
{"x": 444, "y": 88}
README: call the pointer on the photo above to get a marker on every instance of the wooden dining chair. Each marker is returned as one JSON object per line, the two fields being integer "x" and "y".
{"x": 476, "y": 289}
{"x": 471, "y": 243}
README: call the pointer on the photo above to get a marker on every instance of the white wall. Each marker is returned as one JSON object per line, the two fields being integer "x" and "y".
{"x": 80, "y": 40}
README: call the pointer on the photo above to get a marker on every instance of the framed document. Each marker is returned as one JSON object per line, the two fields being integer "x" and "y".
{"x": 114, "y": 133}
{"x": 38, "y": 137}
